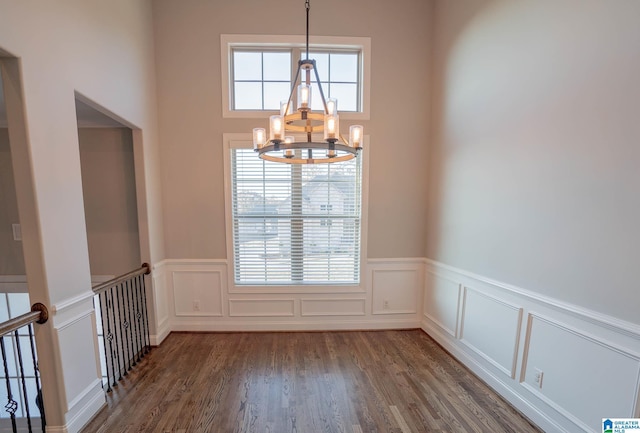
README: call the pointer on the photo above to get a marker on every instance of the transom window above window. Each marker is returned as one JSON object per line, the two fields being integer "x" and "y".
{"x": 258, "y": 72}
{"x": 338, "y": 72}
{"x": 261, "y": 79}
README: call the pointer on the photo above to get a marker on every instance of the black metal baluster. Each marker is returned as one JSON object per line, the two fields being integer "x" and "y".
{"x": 133, "y": 354}
{"x": 125, "y": 324}
{"x": 11, "y": 405}
{"x": 104, "y": 334}
{"x": 25, "y": 396}
{"x": 145, "y": 314}
{"x": 139, "y": 318}
{"x": 36, "y": 374}
{"x": 109, "y": 337}
{"x": 116, "y": 352}
{"x": 134, "y": 312}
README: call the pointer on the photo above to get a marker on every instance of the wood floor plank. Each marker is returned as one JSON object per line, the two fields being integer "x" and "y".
{"x": 305, "y": 382}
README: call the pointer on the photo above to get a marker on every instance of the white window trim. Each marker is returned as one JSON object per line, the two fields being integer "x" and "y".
{"x": 244, "y": 140}
{"x": 229, "y": 42}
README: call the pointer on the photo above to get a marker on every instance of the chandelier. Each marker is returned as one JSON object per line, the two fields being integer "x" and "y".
{"x": 285, "y": 128}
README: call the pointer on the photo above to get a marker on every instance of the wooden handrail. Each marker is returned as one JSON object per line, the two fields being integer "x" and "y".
{"x": 99, "y": 288}
{"x": 38, "y": 314}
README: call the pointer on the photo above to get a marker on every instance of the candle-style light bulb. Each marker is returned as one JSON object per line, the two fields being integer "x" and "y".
{"x": 283, "y": 108}
{"x": 288, "y": 153}
{"x": 259, "y": 138}
{"x": 332, "y": 106}
{"x": 355, "y": 136}
{"x": 331, "y": 127}
{"x": 276, "y": 127}
{"x": 304, "y": 97}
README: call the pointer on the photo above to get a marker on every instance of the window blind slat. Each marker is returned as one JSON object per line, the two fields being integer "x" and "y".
{"x": 295, "y": 224}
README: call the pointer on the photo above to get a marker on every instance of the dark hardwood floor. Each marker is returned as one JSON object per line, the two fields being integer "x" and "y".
{"x": 304, "y": 382}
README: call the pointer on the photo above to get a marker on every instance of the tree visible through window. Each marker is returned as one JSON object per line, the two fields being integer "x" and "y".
{"x": 295, "y": 224}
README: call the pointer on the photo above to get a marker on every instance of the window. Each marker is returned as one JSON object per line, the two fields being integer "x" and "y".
{"x": 338, "y": 72}
{"x": 261, "y": 79}
{"x": 258, "y": 71}
{"x": 295, "y": 224}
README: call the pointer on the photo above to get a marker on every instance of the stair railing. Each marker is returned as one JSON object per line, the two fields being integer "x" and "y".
{"x": 122, "y": 311}
{"x": 20, "y": 369}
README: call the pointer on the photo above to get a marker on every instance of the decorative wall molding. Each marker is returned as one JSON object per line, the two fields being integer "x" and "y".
{"x": 602, "y": 320}
{"x": 395, "y": 286}
{"x": 261, "y": 307}
{"x": 84, "y": 407}
{"x": 495, "y": 318}
{"x": 622, "y": 373}
{"x": 333, "y": 307}
{"x": 441, "y": 300}
{"x": 481, "y": 322}
{"x": 197, "y": 288}
{"x": 293, "y": 308}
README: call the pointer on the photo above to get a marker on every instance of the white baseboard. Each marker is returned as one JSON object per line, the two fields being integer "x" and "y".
{"x": 273, "y": 325}
{"x": 163, "y": 331}
{"x": 536, "y": 416}
{"x": 85, "y": 408}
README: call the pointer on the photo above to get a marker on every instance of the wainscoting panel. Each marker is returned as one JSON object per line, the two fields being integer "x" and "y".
{"x": 75, "y": 336}
{"x": 564, "y": 367}
{"x": 197, "y": 292}
{"x": 332, "y": 307}
{"x": 574, "y": 363}
{"x": 261, "y": 307}
{"x": 441, "y": 302}
{"x": 490, "y": 327}
{"x": 396, "y": 287}
{"x": 159, "y": 307}
{"x": 208, "y": 285}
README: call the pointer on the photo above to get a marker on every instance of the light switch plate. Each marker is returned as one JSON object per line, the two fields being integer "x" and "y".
{"x": 17, "y": 232}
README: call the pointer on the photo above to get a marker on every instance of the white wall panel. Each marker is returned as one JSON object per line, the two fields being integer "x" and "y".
{"x": 491, "y": 327}
{"x": 81, "y": 379}
{"x": 584, "y": 377}
{"x": 161, "y": 328}
{"x": 261, "y": 307}
{"x": 396, "y": 288}
{"x": 197, "y": 292}
{"x": 441, "y": 302}
{"x": 226, "y": 307}
{"x": 332, "y": 307}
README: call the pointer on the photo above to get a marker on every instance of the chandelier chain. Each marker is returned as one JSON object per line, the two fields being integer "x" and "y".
{"x": 306, "y": 5}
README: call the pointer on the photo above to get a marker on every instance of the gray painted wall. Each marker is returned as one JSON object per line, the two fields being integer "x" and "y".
{"x": 11, "y": 255}
{"x": 535, "y": 152}
{"x": 109, "y": 192}
{"x": 191, "y": 124}
{"x": 108, "y": 183}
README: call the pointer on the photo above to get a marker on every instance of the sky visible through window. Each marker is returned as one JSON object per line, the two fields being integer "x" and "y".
{"x": 262, "y": 78}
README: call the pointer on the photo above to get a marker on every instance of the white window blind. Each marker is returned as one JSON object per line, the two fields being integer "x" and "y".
{"x": 295, "y": 224}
